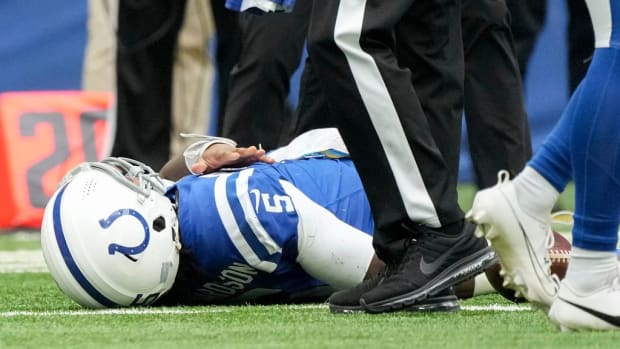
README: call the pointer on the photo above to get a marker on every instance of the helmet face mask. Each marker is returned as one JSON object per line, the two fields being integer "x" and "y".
{"x": 110, "y": 235}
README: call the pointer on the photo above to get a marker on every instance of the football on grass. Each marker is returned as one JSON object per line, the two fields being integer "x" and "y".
{"x": 559, "y": 254}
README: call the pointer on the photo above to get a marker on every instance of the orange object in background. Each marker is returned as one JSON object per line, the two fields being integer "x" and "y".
{"x": 43, "y": 134}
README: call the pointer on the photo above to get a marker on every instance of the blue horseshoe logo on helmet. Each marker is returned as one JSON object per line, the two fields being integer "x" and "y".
{"x": 127, "y": 250}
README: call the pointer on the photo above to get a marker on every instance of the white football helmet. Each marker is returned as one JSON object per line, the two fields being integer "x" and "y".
{"x": 109, "y": 235}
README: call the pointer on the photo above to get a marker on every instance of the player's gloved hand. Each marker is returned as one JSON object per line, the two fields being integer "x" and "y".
{"x": 210, "y": 154}
{"x": 220, "y": 155}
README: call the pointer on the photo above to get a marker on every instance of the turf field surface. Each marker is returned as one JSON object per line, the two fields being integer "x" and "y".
{"x": 35, "y": 314}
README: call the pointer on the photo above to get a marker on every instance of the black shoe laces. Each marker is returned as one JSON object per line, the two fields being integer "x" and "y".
{"x": 412, "y": 247}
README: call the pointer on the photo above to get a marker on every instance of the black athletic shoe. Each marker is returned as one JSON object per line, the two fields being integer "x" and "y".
{"x": 444, "y": 301}
{"x": 433, "y": 262}
{"x": 348, "y": 301}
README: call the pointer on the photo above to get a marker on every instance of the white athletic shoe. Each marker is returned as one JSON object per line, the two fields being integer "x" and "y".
{"x": 520, "y": 241}
{"x": 596, "y": 311}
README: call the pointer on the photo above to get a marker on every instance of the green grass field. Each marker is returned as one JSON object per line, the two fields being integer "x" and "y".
{"x": 34, "y": 314}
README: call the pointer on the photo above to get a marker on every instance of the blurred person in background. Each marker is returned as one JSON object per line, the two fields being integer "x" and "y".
{"x": 154, "y": 55}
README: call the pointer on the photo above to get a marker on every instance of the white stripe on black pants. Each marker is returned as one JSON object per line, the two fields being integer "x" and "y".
{"x": 379, "y": 112}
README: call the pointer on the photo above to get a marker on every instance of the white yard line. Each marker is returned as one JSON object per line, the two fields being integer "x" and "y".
{"x": 22, "y": 261}
{"x": 126, "y": 311}
{"x": 25, "y": 235}
{"x": 213, "y": 310}
{"x": 497, "y": 307}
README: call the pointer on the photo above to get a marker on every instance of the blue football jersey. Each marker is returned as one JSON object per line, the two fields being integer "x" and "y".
{"x": 241, "y": 226}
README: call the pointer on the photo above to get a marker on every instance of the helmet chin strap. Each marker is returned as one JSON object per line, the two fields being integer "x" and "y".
{"x": 175, "y": 206}
{"x": 177, "y": 238}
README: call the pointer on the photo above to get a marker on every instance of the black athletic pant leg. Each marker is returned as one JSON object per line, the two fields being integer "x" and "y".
{"x": 257, "y": 108}
{"x": 437, "y": 78}
{"x": 497, "y": 125}
{"x": 527, "y": 20}
{"x": 580, "y": 42}
{"x": 312, "y": 111}
{"x": 379, "y": 114}
{"x": 147, "y": 36}
{"x": 227, "y": 51}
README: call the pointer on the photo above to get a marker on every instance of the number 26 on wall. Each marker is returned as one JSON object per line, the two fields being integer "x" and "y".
{"x": 63, "y": 140}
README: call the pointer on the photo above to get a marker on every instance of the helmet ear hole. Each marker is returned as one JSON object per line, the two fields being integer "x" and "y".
{"x": 159, "y": 224}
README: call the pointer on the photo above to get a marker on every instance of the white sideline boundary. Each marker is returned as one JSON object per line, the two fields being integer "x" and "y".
{"x": 22, "y": 261}
{"x": 215, "y": 310}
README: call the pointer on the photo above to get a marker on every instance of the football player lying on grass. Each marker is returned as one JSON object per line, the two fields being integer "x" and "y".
{"x": 291, "y": 227}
